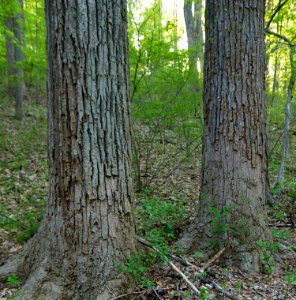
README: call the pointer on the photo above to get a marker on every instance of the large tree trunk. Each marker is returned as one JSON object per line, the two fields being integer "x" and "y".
{"x": 88, "y": 224}
{"x": 231, "y": 212}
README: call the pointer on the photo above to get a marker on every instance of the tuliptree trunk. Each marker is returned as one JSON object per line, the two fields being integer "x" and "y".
{"x": 231, "y": 212}
{"x": 9, "y": 55}
{"x": 19, "y": 85}
{"x": 193, "y": 20}
{"x": 275, "y": 82}
{"x": 285, "y": 149}
{"x": 15, "y": 57}
{"x": 88, "y": 224}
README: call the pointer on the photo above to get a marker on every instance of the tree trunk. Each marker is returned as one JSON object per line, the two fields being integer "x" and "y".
{"x": 288, "y": 117}
{"x": 19, "y": 91}
{"x": 275, "y": 83}
{"x": 234, "y": 168}
{"x": 194, "y": 32}
{"x": 88, "y": 224}
{"x": 276, "y": 65}
{"x": 37, "y": 69}
{"x": 9, "y": 56}
{"x": 15, "y": 57}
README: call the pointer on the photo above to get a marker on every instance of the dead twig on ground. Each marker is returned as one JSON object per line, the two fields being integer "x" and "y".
{"x": 173, "y": 266}
{"x": 212, "y": 260}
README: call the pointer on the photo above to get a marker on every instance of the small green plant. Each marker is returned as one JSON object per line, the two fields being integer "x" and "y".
{"x": 187, "y": 294}
{"x": 249, "y": 283}
{"x": 225, "y": 272}
{"x": 268, "y": 249}
{"x": 281, "y": 234}
{"x": 239, "y": 286}
{"x": 203, "y": 294}
{"x": 158, "y": 218}
{"x": 197, "y": 254}
{"x": 290, "y": 277}
{"x": 138, "y": 265}
{"x": 13, "y": 281}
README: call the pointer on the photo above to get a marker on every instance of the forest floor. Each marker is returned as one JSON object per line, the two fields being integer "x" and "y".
{"x": 169, "y": 202}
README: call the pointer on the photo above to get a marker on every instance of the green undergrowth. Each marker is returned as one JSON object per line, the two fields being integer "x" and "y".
{"x": 23, "y": 171}
{"x": 158, "y": 220}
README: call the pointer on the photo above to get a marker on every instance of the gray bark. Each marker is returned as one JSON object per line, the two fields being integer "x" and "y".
{"x": 234, "y": 168}
{"x": 275, "y": 83}
{"x": 88, "y": 224}
{"x": 19, "y": 58}
{"x": 9, "y": 56}
{"x": 276, "y": 65}
{"x": 291, "y": 86}
{"x": 15, "y": 57}
{"x": 193, "y": 21}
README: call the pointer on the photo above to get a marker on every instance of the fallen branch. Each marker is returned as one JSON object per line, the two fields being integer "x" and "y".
{"x": 213, "y": 259}
{"x": 281, "y": 225}
{"x": 173, "y": 266}
{"x": 157, "y": 295}
{"x": 225, "y": 293}
{"x": 187, "y": 264}
{"x": 180, "y": 260}
{"x": 191, "y": 285}
{"x": 216, "y": 286}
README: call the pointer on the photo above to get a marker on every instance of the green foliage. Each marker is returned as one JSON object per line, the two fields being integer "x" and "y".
{"x": 23, "y": 173}
{"x": 13, "y": 281}
{"x": 137, "y": 266}
{"x": 34, "y": 51}
{"x": 290, "y": 277}
{"x": 158, "y": 219}
{"x": 269, "y": 249}
{"x": 197, "y": 254}
{"x": 165, "y": 94}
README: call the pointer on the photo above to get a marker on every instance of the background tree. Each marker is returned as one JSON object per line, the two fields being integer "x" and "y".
{"x": 234, "y": 154}
{"x": 88, "y": 224}
{"x": 193, "y": 20}
{"x": 163, "y": 105}
{"x": 284, "y": 39}
{"x": 14, "y": 24}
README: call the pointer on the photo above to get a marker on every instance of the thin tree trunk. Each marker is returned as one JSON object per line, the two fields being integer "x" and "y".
{"x": 233, "y": 187}
{"x": 279, "y": 26}
{"x": 88, "y": 225}
{"x": 19, "y": 58}
{"x": 288, "y": 117}
{"x": 37, "y": 76}
{"x": 275, "y": 84}
{"x": 194, "y": 32}
{"x": 9, "y": 56}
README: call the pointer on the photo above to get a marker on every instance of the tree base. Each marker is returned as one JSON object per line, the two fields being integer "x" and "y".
{"x": 246, "y": 256}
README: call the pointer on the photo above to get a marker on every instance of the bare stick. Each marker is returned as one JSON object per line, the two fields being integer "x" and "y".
{"x": 157, "y": 295}
{"x": 225, "y": 293}
{"x": 180, "y": 260}
{"x": 213, "y": 259}
{"x": 191, "y": 285}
